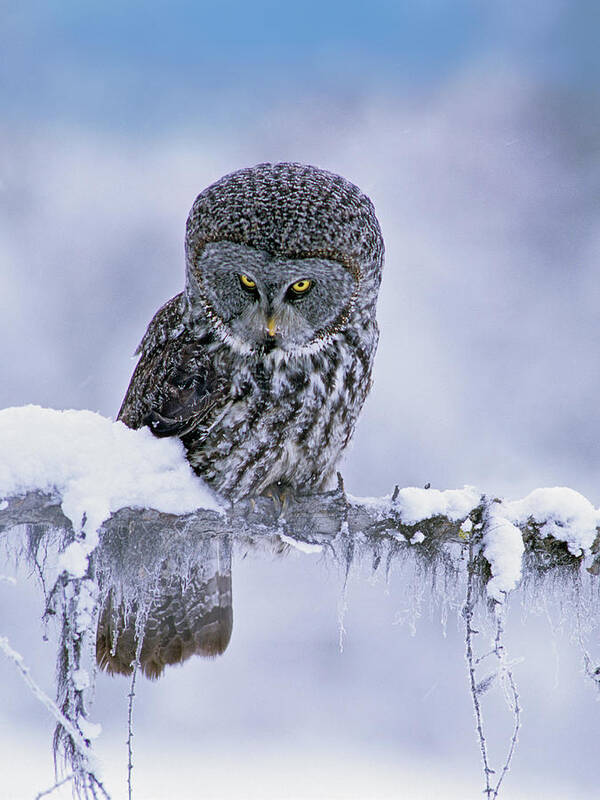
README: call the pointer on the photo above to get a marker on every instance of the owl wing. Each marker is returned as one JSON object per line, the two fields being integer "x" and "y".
{"x": 175, "y": 388}
{"x": 189, "y": 395}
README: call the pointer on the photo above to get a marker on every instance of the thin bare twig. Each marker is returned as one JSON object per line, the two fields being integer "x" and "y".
{"x": 91, "y": 782}
{"x": 512, "y": 694}
{"x": 491, "y": 790}
{"x": 467, "y": 613}
{"x": 17, "y": 659}
{"x": 130, "y": 697}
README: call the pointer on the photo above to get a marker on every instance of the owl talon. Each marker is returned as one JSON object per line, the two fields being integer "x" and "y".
{"x": 280, "y": 495}
{"x": 284, "y": 500}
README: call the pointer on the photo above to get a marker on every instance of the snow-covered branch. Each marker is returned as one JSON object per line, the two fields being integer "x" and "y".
{"x": 550, "y": 529}
{"x": 77, "y": 470}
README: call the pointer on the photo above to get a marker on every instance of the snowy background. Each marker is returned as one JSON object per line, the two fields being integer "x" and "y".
{"x": 473, "y": 127}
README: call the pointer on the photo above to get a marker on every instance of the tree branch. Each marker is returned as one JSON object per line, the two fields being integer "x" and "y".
{"x": 318, "y": 519}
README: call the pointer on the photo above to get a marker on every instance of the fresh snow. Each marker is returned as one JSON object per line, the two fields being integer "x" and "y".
{"x": 566, "y": 515}
{"x": 97, "y": 466}
{"x": 559, "y": 512}
{"x": 416, "y": 504}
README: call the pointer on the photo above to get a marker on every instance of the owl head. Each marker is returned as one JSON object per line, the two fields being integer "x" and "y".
{"x": 282, "y": 256}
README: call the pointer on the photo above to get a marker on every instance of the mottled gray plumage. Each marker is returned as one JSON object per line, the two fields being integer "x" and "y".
{"x": 264, "y": 383}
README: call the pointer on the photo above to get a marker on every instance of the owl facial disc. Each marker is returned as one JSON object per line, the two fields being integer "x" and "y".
{"x": 260, "y": 301}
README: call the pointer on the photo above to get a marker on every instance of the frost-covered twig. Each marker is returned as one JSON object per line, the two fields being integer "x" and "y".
{"x": 140, "y": 628}
{"x": 504, "y": 671}
{"x": 468, "y": 613}
{"x": 75, "y": 603}
{"x": 512, "y": 694}
{"x": 17, "y": 659}
{"x": 130, "y": 698}
{"x": 91, "y": 781}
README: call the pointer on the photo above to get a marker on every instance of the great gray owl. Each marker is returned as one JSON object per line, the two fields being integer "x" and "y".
{"x": 262, "y": 364}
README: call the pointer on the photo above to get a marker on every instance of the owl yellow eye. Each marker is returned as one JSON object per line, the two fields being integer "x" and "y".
{"x": 301, "y": 286}
{"x": 247, "y": 282}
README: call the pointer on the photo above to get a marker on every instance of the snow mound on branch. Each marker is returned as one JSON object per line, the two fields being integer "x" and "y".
{"x": 96, "y": 465}
{"x": 416, "y": 504}
{"x": 503, "y": 549}
{"x": 560, "y": 512}
{"x": 564, "y": 513}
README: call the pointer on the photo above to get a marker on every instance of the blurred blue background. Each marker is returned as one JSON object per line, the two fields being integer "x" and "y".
{"x": 473, "y": 127}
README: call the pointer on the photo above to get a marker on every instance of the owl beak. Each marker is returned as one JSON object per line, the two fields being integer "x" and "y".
{"x": 271, "y": 326}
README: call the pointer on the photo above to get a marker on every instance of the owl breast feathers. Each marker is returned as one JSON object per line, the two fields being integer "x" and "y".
{"x": 262, "y": 364}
